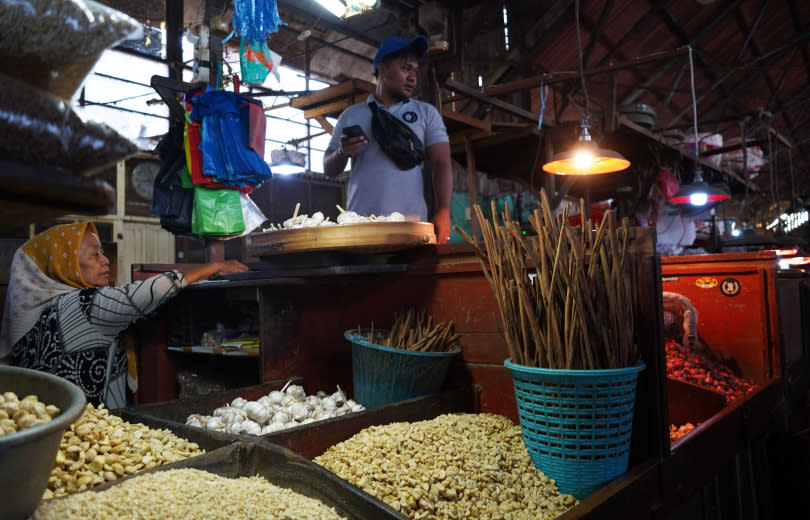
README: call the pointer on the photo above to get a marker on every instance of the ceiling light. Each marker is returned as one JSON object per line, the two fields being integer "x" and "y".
{"x": 336, "y": 7}
{"x": 347, "y": 8}
{"x": 699, "y": 193}
{"x": 586, "y": 158}
{"x": 286, "y": 162}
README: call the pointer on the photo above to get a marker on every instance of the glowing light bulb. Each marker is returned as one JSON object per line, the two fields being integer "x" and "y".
{"x": 736, "y": 232}
{"x": 698, "y": 199}
{"x": 583, "y": 159}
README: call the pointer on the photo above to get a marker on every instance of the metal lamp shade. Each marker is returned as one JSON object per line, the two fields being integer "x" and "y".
{"x": 694, "y": 194}
{"x": 604, "y": 161}
{"x": 283, "y": 162}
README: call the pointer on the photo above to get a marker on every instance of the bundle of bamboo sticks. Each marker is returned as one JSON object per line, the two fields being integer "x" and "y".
{"x": 576, "y": 311}
{"x": 415, "y": 330}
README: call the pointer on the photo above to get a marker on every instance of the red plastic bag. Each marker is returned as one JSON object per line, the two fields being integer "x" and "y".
{"x": 668, "y": 182}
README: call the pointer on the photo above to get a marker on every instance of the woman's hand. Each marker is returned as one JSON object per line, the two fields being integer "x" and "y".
{"x": 229, "y": 266}
{"x": 199, "y": 272}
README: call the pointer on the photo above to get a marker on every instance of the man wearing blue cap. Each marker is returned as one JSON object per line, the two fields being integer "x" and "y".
{"x": 377, "y": 185}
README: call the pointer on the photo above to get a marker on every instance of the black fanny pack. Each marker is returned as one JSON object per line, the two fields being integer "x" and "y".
{"x": 397, "y": 140}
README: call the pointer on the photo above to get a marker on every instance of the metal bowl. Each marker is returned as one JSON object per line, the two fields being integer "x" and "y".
{"x": 27, "y": 456}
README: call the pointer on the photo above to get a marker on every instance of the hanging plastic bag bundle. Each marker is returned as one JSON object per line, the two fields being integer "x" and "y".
{"x": 172, "y": 198}
{"x": 194, "y": 158}
{"x": 256, "y": 20}
{"x": 224, "y": 142}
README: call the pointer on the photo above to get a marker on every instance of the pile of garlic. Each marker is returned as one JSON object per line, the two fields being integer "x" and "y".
{"x": 351, "y": 217}
{"x": 345, "y": 218}
{"x": 276, "y": 411}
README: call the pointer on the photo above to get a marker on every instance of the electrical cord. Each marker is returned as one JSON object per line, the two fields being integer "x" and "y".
{"x": 694, "y": 105}
{"x": 579, "y": 52}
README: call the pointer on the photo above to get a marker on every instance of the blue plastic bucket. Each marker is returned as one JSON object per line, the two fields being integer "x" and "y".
{"x": 576, "y": 424}
{"x": 384, "y": 375}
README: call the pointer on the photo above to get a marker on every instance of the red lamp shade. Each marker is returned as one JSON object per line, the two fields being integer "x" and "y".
{"x": 700, "y": 194}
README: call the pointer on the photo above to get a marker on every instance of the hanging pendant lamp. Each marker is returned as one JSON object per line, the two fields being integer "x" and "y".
{"x": 586, "y": 158}
{"x": 699, "y": 193}
{"x": 286, "y": 162}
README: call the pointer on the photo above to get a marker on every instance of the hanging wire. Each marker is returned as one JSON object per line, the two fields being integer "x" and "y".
{"x": 581, "y": 67}
{"x": 694, "y": 106}
{"x": 792, "y": 180}
{"x": 543, "y": 98}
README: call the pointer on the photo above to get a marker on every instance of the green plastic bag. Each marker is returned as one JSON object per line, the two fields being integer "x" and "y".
{"x": 217, "y": 213}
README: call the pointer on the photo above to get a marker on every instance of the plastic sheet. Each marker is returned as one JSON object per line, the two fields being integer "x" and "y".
{"x": 53, "y": 44}
{"x": 42, "y": 130}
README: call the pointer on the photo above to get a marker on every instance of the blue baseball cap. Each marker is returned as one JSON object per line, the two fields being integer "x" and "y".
{"x": 419, "y": 44}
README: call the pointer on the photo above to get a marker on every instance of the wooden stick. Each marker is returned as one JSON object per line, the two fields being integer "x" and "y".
{"x": 297, "y": 207}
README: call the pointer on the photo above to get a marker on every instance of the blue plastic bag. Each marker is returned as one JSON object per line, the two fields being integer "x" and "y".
{"x": 225, "y": 138}
{"x": 255, "y": 20}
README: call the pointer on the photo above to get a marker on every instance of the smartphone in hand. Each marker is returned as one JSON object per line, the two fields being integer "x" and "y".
{"x": 354, "y": 131}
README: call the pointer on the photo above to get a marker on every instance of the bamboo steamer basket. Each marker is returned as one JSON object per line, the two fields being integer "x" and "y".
{"x": 364, "y": 237}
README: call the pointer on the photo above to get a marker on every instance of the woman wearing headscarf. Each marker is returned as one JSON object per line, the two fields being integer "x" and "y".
{"x": 61, "y": 316}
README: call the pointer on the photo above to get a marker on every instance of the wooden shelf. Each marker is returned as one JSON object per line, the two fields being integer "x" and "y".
{"x": 216, "y": 351}
{"x": 38, "y": 193}
{"x": 331, "y": 101}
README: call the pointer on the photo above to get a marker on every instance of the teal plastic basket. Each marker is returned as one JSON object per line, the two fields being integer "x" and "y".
{"x": 576, "y": 424}
{"x": 384, "y": 375}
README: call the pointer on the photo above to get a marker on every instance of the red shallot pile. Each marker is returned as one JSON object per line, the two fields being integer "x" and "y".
{"x": 693, "y": 364}
{"x": 676, "y": 432}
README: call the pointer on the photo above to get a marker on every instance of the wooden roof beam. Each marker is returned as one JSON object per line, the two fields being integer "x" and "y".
{"x": 497, "y": 103}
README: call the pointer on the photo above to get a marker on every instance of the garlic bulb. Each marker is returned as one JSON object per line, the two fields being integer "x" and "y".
{"x": 323, "y": 414}
{"x": 239, "y": 402}
{"x": 281, "y": 416}
{"x": 355, "y": 406}
{"x": 214, "y": 423}
{"x": 320, "y": 394}
{"x": 275, "y": 396}
{"x": 230, "y": 414}
{"x": 287, "y": 400}
{"x": 195, "y": 420}
{"x": 251, "y": 427}
{"x": 296, "y": 392}
{"x": 298, "y": 411}
{"x": 338, "y": 398}
{"x": 265, "y": 401}
{"x": 257, "y": 412}
{"x": 272, "y": 427}
{"x": 343, "y": 410}
{"x": 328, "y": 403}
{"x": 312, "y": 400}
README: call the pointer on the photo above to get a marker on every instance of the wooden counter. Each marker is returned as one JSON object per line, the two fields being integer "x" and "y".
{"x": 304, "y": 310}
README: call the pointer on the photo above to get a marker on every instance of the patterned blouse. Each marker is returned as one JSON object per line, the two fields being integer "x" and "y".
{"x": 77, "y": 335}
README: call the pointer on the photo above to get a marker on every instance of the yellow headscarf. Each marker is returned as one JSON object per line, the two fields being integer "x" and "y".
{"x": 56, "y": 252}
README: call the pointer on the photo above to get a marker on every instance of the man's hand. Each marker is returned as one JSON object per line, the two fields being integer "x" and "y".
{"x": 352, "y": 145}
{"x": 441, "y": 221}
